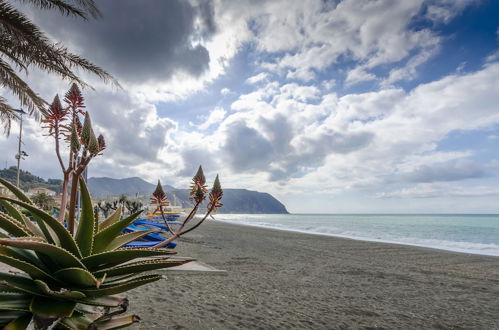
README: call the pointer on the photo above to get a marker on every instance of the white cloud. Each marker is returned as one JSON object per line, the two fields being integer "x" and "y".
{"x": 262, "y": 76}
{"x": 215, "y": 117}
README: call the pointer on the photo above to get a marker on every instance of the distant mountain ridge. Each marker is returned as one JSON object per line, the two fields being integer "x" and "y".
{"x": 234, "y": 200}
{"x": 104, "y": 187}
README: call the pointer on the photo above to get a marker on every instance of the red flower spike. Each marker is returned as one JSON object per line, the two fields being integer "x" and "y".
{"x": 215, "y": 195}
{"x": 75, "y": 99}
{"x": 198, "y": 186}
{"x": 56, "y": 114}
{"x": 159, "y": 196}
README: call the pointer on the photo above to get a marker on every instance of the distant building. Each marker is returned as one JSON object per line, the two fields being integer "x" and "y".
{"x": 41, "y": 190}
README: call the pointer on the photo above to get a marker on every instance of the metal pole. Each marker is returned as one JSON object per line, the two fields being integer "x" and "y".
{"x": 19, "y": 149}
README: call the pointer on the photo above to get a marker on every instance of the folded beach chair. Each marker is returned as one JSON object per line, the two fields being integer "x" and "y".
{"x": 144, "y": 222}
{"x": 151, "y": 239}
{"x": 170, "y": 245}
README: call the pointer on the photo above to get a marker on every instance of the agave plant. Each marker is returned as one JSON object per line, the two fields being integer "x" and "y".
{"x": 70, "y": 281}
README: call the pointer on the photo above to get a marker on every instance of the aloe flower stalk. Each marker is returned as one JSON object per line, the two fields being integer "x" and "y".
{"x": 198, "y": 196}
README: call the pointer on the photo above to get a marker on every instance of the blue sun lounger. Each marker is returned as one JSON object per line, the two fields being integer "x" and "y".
{"x": 151, "y": 239}
{"x": 170, "y": 245}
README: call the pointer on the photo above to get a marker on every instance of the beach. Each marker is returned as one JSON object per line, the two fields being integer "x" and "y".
{"x": 285, "y": 280}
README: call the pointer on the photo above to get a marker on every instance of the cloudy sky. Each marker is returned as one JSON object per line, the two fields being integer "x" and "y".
{"x": 332, "y": 106}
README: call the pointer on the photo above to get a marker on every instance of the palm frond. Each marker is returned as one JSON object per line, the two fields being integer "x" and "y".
{"x": 81, "y": 8}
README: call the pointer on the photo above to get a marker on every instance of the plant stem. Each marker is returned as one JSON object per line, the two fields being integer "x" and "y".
{"x": 64, "y": 197}
{"x": 72, "y": 201}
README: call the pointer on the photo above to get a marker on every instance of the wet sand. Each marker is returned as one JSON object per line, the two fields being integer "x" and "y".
{"x": 285, "y": 280}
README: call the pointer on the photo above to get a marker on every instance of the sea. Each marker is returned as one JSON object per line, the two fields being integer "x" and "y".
{"x": 466, "y": 233}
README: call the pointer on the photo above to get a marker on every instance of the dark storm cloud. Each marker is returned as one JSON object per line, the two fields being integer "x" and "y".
{"x": 269, "y": 149}
{"x": 246, "y": 148}
{"x": 140, "y": 40}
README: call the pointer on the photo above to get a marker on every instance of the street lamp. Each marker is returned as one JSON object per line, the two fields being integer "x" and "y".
{"x": 20, "y": 153}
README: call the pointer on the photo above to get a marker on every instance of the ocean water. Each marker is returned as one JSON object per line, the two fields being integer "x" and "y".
{"x": 475, "y": 234}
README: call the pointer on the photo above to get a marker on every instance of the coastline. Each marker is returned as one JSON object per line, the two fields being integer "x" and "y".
{"x": 364, "y": 239}
{"x": 283, "y": 279}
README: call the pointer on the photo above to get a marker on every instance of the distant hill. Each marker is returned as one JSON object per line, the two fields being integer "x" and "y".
{"x": 238, "y": 201}
{"x": 104, "y": 187}
{"x": 28, "y": 180}
{"x": 234, "y": 200}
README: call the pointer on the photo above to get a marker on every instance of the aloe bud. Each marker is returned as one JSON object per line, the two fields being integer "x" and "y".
{"x": 93, "y": 144}
{"x": 74, "y": 141}
{"x": 199, "y": 178}
{"x": 159, "y": 193}
{"x": 86, "y": 130}
{"x": 102, "y": 142}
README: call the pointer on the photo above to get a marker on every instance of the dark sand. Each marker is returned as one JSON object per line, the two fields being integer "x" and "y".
{"x": 285, "y": 280}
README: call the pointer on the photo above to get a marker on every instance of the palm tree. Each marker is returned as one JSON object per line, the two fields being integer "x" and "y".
{"x": 23, "y": 46}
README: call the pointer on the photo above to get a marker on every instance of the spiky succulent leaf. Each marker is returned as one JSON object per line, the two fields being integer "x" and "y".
{"x": 51, "y": 308}
{"x": 111, "y": 220}
{"x": 116, "y": 322}
{"x": 116, "y": 257}
{"x": 85, "y": 233}
{"x": 105, "y": 236}
{"x": 128, "y": 237}
{"x": 62, "y": 294}
{"x": 16, "y": 191}
{"x": 60, "y": 256}
{"x": 12, "y": 226}
{"x": 22, "y": 254}
{"x": 9, "y": 317}
{"x": 19, "y": 283}
{"x": 142, "y": 266}
{"x": 13, "y": 212}
{"x": 78, "y": 277}
{"x": 19, "y": 323}
{"x": 106, "y": 301}
{"x": 14, "y": 301}
{"x": 26, "y": 267}
{"x": 66, "y": 240}
{"x": 79, "y": 321}
{"x": 122, "y": 287}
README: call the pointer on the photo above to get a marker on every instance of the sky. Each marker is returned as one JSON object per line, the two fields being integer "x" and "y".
{"x": 353, "y": 106}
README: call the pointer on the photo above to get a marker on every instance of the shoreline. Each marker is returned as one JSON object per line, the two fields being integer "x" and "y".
{"x": 280, "y": 279}
{"x": 363, "y": 239}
